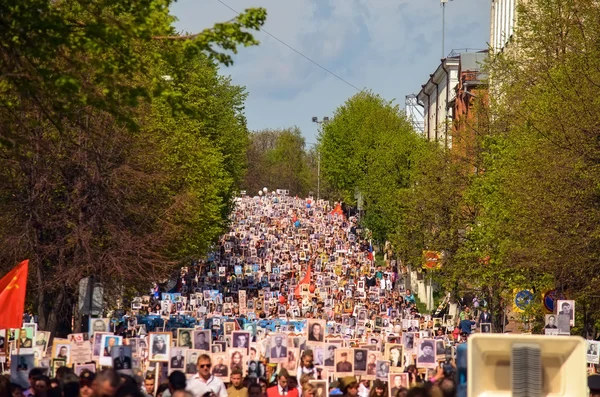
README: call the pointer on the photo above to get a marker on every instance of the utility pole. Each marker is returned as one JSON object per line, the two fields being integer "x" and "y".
{"x": 320, "y": 123}
{"x": 443, "y": 2}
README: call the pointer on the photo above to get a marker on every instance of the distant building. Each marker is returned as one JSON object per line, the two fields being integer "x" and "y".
{"x": 435, "y": 95}
{"x": 471, "y": 91}
{"x": 503, "y": 18}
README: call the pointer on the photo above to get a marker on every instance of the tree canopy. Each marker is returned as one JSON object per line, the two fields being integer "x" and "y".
{"x": 121, "y": 146}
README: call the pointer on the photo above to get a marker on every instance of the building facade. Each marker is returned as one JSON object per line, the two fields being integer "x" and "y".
{"x": 435, "y": 97}
{"x": 469, "y": 103}
{"x": 502, "y": 23}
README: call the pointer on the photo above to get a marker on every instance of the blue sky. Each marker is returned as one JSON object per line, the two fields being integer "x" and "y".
{"x": 388, "y": 46}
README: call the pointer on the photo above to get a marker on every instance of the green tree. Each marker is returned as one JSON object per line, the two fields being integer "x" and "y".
{"x": 106, "y": 167}
{"x": 369, "y": 146}
{"x": 277, "y": 159}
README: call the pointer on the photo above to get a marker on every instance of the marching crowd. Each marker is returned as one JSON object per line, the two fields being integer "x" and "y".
{"x": 290, "y": 303}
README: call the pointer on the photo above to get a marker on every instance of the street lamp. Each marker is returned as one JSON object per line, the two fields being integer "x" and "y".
{"x": 320, "y": 123}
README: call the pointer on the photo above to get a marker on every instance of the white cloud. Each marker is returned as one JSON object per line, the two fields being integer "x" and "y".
{"x": 389, "y": 46}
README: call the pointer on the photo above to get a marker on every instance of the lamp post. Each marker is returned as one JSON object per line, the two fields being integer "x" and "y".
{"x": 319, "y": 122}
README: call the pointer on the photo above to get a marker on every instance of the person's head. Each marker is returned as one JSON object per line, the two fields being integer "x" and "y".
{"x": 86, "y": 378}
{"x": 344, "y": 356}
{"x": 177, "y": 381}
{"x": 372, "y": 358}
{"x": 236, "y": 378}
{"x": 255, "y": 390}
{"x": 307, "y": 359}
{"x": 159, "y": 342}
{"x": 308, "y": 390}
{"x": 23, "y": 333}
{"x": 204, "y": 365}
{"x": 252, "y": 366}
{"x": 397, "y": 380}
{"x": 252, "y": 353}
{"x": 351, "y": 388}
{"x": 566, "y": 307}
{"x": 98, "y": 326}
{"x": 40, "y": 386}
{"x": 359, "y": 355}
{"x": 278, "y": 340}
{"x": 161, "y": 389}
{"x": 62, "y": 351}
{"x": 201, "y": 337}
{"x": 282, "y": 378}
{"x": 242, "y": 339}
{"x": 121, "y": 351}
{"x": 149, "y": 383}
{"x": 106, "y": 382}
{"x": 407, "y": 292}
{"x": 448, "y": 387}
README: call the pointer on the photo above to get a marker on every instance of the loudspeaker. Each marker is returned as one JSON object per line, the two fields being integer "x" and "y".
{"x": 506, "y": 365}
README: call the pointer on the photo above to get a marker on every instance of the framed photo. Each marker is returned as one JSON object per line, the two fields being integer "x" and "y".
{"x": 184, "y": 337}
{"x": 177, "y": 359}
{"x": 397, "y": 381}
{"x": 241, "y": 339}
{"x": 202, "y": 339}
{"x": 372, "y": 357}
{"x": 25, "y": 339}
{"x": 56, "y": 364}
{"x": 78, "y": 368}
{"x": 394, "y": 353}
{"x": 228, "y": 327}
{"x": 220, "y": 366}
{"x": 321, "y": 387}
{"x": 98, "y": 325}
{"x": 567, "y": 307}
{"x": 191, "y": 360}
{"x": 550, "y": 322}
{"x": 160, "y": 345}
{"x": 485, "y": 328}
{"x": 108, "y": 343}
{"x": 426, "y": 354}
{"x": 278, "y": 348}
{"x": 237, "y": 359}
{"x": 344, "y": 362}
{"x": 383, "y": 370}
{"x": 97, "y": 347}
{"x": 41, "y": 339}
{"x": 360, "y": 361}
{"x": 61, "y": 350}
{"x": 408, "y": 340}
{"x": 316, "y": 330}
{"x": 592, "y": 356}
{"x": 291, "y": 362}
{"x": 121, "y": 359}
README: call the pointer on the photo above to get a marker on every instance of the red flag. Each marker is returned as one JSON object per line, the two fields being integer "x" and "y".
{"x": 12, "y": 296}
{"x": 305, "y": 280}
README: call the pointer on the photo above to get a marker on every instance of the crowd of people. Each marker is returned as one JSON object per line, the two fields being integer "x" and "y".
{"x": 291, "y": 303}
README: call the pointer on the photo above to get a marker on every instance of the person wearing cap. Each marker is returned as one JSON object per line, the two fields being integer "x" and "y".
{"x": 86, "y": 378}
{"x": 282, "y": 389}
{"x": 594, "y": 385}
{"x": 427, "y": 352}
{"x": 344, "y": 365}
{"x": 378, "y": 389}
{"x": 349, "y": 386}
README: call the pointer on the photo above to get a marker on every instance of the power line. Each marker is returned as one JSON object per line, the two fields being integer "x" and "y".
{"x": 299, "y": 53}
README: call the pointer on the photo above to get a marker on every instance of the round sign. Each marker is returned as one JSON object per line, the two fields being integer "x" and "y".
{"x": 523, "y": 299}
{"x": 550, "y": 299}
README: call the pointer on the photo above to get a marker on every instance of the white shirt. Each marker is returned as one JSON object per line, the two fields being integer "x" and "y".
{"x": 198, "y": 386}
